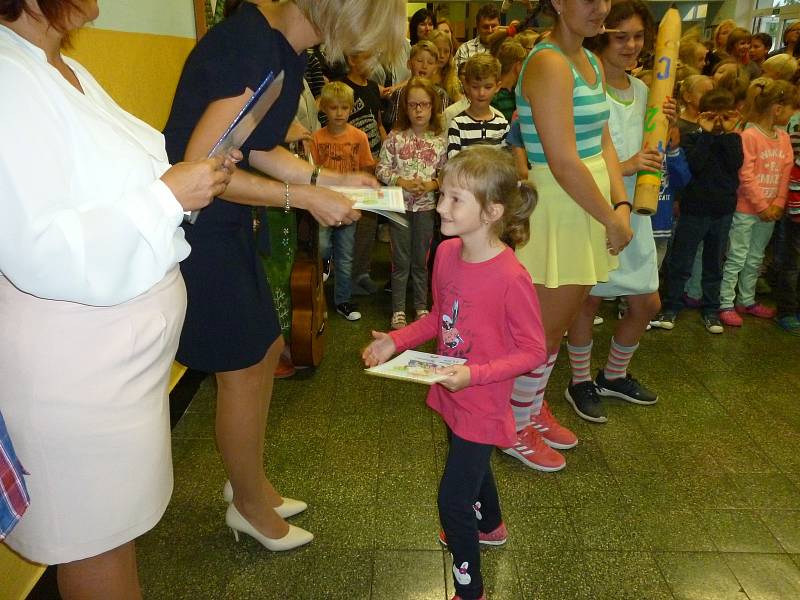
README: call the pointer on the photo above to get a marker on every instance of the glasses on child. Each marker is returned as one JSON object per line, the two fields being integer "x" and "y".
{"x": 416, "y": 105}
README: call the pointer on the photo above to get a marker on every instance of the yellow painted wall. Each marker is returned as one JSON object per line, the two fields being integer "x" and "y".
{"x": 139, "y": 70}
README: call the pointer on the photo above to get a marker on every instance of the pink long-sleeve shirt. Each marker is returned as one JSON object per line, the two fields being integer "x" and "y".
{"x": 488, "y": 313}
{"x": 764, "y": 176}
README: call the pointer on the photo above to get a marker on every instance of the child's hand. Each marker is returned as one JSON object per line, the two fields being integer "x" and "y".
{"x": 457, "y": 377}
{"x": 380, "y": 350}
{"x": 771, "y": 213}
{"x": 670, "y": 110}
{"x": 647, "y": 159}
{"x": 674, "y": 137}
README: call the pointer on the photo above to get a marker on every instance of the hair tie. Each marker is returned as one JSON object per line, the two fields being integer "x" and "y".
{"x": 519, "y": 184}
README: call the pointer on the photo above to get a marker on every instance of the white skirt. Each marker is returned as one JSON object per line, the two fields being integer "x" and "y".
{"x": 84, "y": 396}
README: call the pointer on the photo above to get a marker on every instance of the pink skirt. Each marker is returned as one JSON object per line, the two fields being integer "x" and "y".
{"x": 85, "y": 399}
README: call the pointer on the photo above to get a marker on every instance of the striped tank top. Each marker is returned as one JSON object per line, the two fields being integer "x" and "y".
{"x": 590, "y": 111}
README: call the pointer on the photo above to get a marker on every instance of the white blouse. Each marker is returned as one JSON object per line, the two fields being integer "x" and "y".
{"x": 84, "y": 216}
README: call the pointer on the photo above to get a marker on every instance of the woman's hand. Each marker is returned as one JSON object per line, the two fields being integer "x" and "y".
{"x": 331, "y": 208}
{"x": 194, "y": 184}
{"x": 619, "y": 232}
{"x": 647, "y": 159}
{"x": 380, "y": 350}
{"x": 458, "y": 377}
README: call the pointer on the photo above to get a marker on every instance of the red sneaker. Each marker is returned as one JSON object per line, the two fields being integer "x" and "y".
{"x": 532, "y": 451}
{"x": 498, "y": 537}
{"x": 757, "y": 310}
{"x": 555, "y": 435}
{"x": 285, "y": 368}
{"x": 730, "y": 317}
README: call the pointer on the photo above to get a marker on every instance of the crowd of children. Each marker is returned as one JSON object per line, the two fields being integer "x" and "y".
{"x": 730, "y": 195}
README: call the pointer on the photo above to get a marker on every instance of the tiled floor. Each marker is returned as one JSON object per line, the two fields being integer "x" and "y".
{"x": 697, "y": 497}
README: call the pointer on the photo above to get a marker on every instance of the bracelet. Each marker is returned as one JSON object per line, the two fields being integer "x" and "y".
{"x": 286, "y": 206}
{"x": 623, "y": 203}
{"x": 315, "y": 174}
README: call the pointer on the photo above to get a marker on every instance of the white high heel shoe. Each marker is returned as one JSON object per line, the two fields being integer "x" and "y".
{"x": 289, "y": 508}
{"x": 295, "y": 538}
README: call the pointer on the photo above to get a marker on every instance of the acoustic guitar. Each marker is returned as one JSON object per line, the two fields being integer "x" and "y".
{"x": 309, "y": 309}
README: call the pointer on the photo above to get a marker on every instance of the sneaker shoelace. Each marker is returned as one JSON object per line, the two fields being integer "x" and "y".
{"x": 532, "y": 439}
{"x": 545, "y": 421}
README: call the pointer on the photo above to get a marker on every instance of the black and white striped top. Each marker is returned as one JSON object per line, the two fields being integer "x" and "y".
{"x": 465, "y": 131}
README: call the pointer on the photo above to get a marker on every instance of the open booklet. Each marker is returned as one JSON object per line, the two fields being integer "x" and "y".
{"x": 386, "y": 201}
{"x": 412, "y": 365}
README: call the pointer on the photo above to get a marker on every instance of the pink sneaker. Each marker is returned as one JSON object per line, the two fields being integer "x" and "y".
{"x": 690, "y": 302}
{"x": 555, "y": 435}
{"x": 757, "y": 310}
{"x": 729, "y": 317}
{"x": 532, "y": 451}
{"x": 498, "y": 537}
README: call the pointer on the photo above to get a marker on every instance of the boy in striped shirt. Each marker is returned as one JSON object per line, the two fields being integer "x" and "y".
{"x": 479, "y": 123}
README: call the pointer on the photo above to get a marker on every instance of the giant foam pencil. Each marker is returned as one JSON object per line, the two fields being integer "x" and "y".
{"x": 645, "y": 199}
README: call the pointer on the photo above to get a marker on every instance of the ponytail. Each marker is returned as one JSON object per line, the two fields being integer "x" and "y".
{"x": 764, "y": 93}
{"x": 517, "y": 215}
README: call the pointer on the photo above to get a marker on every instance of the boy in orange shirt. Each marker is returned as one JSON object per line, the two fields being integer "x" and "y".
{"x": 341, "y": 147}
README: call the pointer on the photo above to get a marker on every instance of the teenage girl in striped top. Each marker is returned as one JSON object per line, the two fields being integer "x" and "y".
{"x": 582, "y": 220}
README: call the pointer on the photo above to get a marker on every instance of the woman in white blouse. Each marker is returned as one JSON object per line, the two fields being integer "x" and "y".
{"x": 91, "y": 301}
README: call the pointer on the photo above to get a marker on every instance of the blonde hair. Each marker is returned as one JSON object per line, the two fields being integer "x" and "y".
{"x": 448, "y": 75}
{"x": 335, "y": 91}
{"x": 529, "y": 35}
{"x": 482, "y": 66}
{"x": 726, "y": 23}
{"x": 764, "y": 93}
{"x": 689, "y": 84}
{"x": 402, "y": 121}
{"x": 687, "y": 52}
{"x": 511, "y": 52}
{"x": 424, "y": 46}
{"x": 358, "y": 26}
{"x": 782, "y": 65}
{"x": 490, "y": 174}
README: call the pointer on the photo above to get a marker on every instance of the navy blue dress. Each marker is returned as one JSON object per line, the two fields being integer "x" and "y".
{"x": 230, "y": 319}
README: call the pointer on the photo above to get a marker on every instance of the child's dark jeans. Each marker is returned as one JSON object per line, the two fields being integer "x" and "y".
{"x": 787, "y": 292}
{"x": 691, "y": 230}
{"x": 468, "y": 503}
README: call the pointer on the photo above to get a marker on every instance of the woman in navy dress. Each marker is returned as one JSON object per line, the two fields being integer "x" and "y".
{"x": 231, "y": 326}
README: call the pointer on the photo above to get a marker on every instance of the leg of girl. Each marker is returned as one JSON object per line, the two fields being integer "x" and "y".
{"x": 582, "y": 393}
{"x": 421, "y": 235}
{"x": 614, "y": 380}
{"x": 559, "y": 307}
{"x": 467, "y": 481}
{"x": 401, "y": 264}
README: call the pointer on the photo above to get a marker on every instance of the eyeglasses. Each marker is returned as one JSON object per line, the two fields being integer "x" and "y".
{"x": 416, "y": 105}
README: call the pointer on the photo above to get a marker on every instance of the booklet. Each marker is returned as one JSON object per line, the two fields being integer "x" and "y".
{"x": 246, "y": 122}
{"x": 386, "y": 201}
{"x": 412, "y": 365}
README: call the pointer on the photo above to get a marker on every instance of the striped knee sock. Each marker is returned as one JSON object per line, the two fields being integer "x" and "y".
{"x": 538, "y": 399}
{"x": 528, "y": 392}
{"x": 619, "y": 357}
{"x": 580, "y": 358}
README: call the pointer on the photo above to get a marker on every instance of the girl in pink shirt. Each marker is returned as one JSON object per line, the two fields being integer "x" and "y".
{"x": 485, "y": 309}
{"x": 763, "y": 186}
